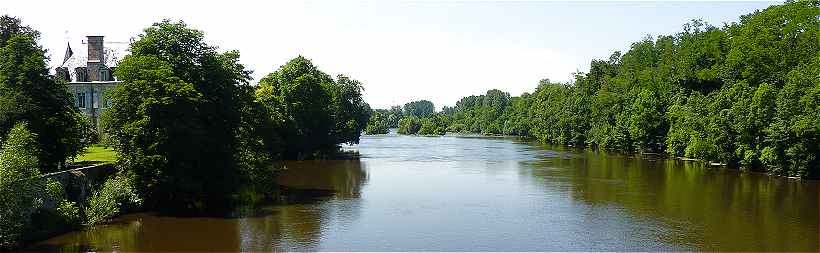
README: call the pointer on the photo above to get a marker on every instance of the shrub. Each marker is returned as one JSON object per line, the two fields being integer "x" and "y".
{"x": 67, "y": 211}
{"x": 18, "y": 164}
{"x": 107, "y": 202}
{"x": 409, "y": 125}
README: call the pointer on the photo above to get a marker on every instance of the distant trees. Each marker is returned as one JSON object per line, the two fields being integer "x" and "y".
{"x": 745, "y": 94}
{"x": 419, "y": 117}
{"x": 480, "y": 114}
{"x": 27, "y": 93}
{"x": 409, "y": 125}
{"x": 434, "y": 125}
{"x": 378, "y": 122}
{"x": 421, "y": 108}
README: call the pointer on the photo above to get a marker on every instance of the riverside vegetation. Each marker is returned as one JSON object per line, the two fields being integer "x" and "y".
{"x": 194, "y": 137}
{"x": 177, "y": 94}
{"x": 746, "y": 94}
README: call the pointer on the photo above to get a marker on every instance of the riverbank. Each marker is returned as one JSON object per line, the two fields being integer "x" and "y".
{"x": 75, "y": 186}
{"x": 489, "y": 194}
{"x": 657, "y": 155}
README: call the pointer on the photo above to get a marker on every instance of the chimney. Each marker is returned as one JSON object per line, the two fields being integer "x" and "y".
{"x": 96, "y": 57}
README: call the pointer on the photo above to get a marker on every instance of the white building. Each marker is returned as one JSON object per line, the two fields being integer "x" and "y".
{"x": 91, "y": 83}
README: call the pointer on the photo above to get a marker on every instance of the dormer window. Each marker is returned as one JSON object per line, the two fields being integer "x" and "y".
{"x": 105, "y": 75}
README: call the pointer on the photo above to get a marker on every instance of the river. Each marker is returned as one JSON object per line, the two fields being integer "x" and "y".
{"x": 458, "y": 193}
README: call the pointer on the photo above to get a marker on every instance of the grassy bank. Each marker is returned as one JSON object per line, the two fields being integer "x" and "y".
{"x": 96, "y": 154}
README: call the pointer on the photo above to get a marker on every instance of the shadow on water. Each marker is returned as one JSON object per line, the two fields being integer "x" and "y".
{"x": 311, "y": 193}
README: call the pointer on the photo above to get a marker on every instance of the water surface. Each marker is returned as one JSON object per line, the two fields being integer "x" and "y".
{"x": 490, "y": 194}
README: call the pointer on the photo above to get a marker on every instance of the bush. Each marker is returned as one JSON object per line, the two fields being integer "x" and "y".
{"x": 377, "y": 124}
{"x": 457, "y": 128}
{"x": 18, "y": 164}
{"x": 67, "y": 211}
{"x": 109, "y": 200}
{"x": 409, "y": 125}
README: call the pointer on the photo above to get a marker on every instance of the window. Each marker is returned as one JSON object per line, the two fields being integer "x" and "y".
{"x": 104, "y": 75}
{"x": 81, "y": 100}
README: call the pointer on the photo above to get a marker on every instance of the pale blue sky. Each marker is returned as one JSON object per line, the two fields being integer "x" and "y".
{"x": 401, "y": 50}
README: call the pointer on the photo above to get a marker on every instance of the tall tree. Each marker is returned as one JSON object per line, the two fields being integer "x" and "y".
{"x": 421, "y": 108}
{"x": 175, "y": 118}
{"x": 311, "y": 111}
{"x": 28, "y": 93}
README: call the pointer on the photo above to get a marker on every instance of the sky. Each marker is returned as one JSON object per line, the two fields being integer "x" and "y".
{"x": 401, "y": 50}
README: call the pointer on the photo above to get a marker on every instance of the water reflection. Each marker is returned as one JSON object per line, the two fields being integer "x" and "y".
{"x": 491, "y": 194}
{"x": 313, "y": 194}
{"x": 699, "y": 207}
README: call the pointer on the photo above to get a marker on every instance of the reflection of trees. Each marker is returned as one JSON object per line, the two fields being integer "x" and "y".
{"x": 313, "y": 193}
{"x": 712, "y": 208}
{"x": 344, "y": 178}
{"x": 296, "y": 224}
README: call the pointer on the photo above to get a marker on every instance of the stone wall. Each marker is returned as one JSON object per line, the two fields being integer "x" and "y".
{"x": 79, "y": 182}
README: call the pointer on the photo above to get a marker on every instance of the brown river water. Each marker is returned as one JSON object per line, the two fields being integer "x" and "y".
{"x": 457, "y": 193}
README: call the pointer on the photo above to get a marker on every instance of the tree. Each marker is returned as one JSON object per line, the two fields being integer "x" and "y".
{"x": 311, "y": 111}
{"x": 18, "y": 166}
{"x": 28, "y": 94}
{"x": 744, "y": 95}
{"x": 421, "y": 109}
{"x": 11, "y": 27}
{"x": 647, "y": 126}
{"x": 409, "y": 125}
{"x": 352, "y": 113}
{"x": 396, "y": 114}
{"x": 378, "y": 123}
{"x": 175, "y": 118}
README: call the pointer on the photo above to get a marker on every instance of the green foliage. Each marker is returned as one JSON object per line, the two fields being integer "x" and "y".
{"x": 179, "y": 93}
{"x": 480, "y": 114}
{"x": 435, "y": 125}
{"x": 378, "y": 123}
{"x": 395, "y": 114}
{"x": 745, "y": 94}
{"x": 310, "y": 110}
{"x": 28, "y": 94}
{"x": 68, "y": 212}
{"x": 116, "y": 193}
{"x": 421, "y": 109}
{"x": 11, "y": 27}
{"x": 18, "y": 166}
{"x": 351, "y": 112}
{"x": 409, "y": 125}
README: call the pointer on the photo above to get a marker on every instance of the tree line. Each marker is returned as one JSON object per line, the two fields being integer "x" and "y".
{"x": 746, "y": 94}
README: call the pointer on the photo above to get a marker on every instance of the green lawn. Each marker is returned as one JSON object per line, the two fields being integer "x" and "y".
{"x": 96, "y": 154}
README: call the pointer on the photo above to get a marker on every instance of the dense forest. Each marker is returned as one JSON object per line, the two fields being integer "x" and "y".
{"x": 746, "y": 94}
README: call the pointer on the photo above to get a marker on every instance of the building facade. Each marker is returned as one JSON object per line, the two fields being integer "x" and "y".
{"x": 90, "y": 84}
